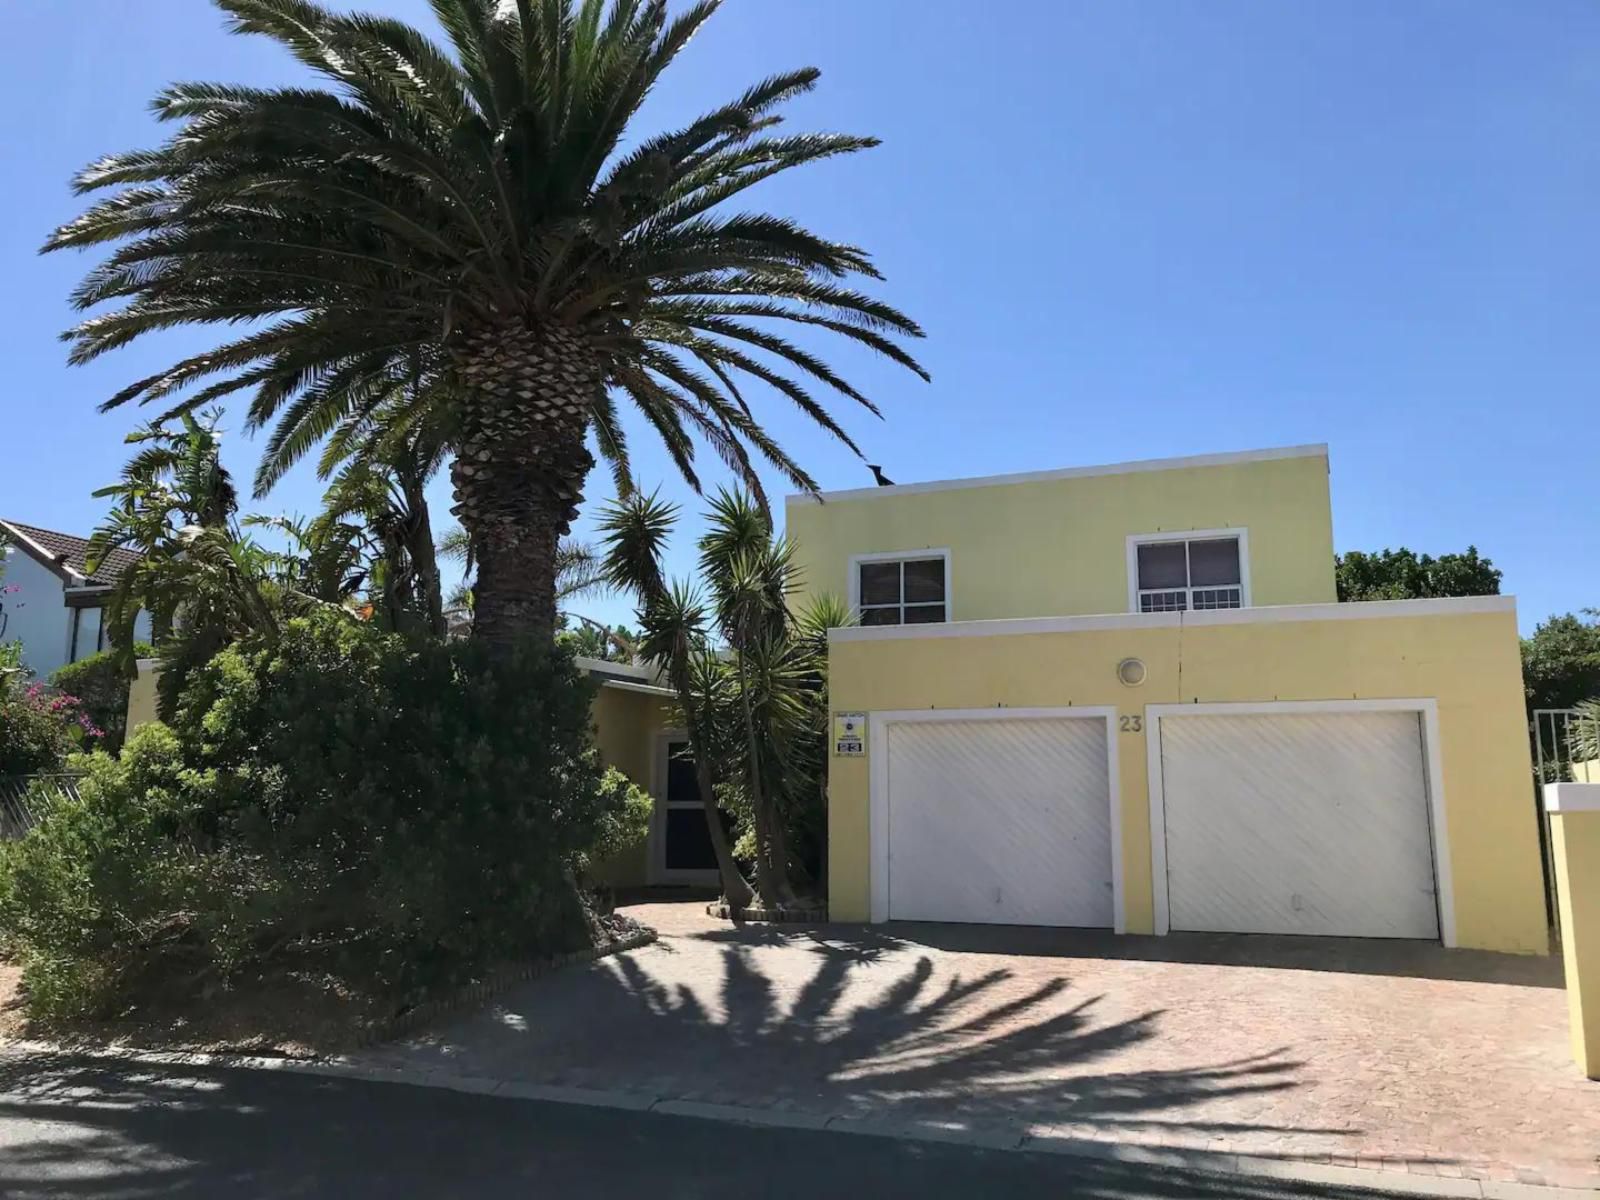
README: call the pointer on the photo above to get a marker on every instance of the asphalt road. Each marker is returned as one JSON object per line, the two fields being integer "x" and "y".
{"x": 82, "y": 1128}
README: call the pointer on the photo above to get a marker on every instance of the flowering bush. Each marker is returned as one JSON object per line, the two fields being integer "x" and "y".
{"x": 39, "y": 728}
{"x": 101, "y": 688}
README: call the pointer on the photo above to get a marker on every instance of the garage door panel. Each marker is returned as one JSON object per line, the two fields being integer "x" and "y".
{"x": 1002, "y": 821}
{"x": 1307, "y": 823}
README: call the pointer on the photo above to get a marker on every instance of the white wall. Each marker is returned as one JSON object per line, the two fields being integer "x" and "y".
{"x": 35, "y": 613}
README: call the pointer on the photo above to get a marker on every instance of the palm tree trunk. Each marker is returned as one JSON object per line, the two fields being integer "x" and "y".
{"x": 424, "y": 558}
{"x": 520, "y": 468}
{"x": 772, "y": 858}
{"x": 736, "y": 889}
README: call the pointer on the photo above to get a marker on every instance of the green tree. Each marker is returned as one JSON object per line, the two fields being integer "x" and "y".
{"x": 1405, "y": 575}
{"x": 592, "y": 639}
{"x": 1561, "y": 661}
{"x": 171, "y": 490}
{"x": 487, "y": 218}
{"x": 375, "y": 534}
{"x": 205, "y": 584}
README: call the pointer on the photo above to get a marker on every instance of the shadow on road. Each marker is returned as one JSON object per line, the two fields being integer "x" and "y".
{"x": 71, "y": 1128}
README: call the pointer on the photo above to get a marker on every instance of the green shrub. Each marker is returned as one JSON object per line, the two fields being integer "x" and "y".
{"x": 625, "y": 826}
{"x": 101, "y": 687}
{"x": 97, "y": 890}
{"x": 411, "y": 811}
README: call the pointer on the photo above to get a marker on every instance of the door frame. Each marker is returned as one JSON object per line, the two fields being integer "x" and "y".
{"x": 878, "y": 724}
{"x": 1427, "y": 711}
{"x": 659, "y": 872}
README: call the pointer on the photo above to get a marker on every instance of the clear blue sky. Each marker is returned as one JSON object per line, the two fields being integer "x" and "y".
{"x": 1131, "y": 230}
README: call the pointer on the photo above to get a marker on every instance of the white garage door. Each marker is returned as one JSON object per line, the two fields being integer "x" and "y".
{"x": 1000, "y": 821}
{"x": 1313, "y": 823}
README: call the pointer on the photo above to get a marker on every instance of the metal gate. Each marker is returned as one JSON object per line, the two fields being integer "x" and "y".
{"x": 1551, "y": 732}
{"x": 23, "y": 799}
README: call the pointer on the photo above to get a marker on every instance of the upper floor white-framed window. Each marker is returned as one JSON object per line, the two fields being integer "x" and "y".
{"x": 909, "y": 587}
{"x": 88, "y": 635}
{"x": 1191, "y": 571}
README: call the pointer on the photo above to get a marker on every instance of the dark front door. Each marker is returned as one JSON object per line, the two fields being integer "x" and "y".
{"x": 688, "y": 842}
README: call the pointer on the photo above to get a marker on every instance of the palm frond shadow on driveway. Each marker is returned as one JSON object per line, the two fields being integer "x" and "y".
{"x": 820, "y": 1024}
{"x": 922, "y": 1047}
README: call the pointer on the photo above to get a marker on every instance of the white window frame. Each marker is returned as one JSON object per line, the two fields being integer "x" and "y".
{"x": 1135, "y": 540}
{"x": 900, "y": 556}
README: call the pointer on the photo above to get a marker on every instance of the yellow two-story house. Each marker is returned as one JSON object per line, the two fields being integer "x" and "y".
{"x": 1127, "y": 697}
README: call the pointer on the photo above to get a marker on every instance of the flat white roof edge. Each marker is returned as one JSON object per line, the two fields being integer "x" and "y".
{"x": 1265, "y": 615}
{"x": 1319, "y": 449}
{"x": 605, "y": 666}
{"x": 648, "y": 689}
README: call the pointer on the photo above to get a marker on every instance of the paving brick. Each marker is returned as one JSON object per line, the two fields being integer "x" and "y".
{"x": 1302, "y": 1050}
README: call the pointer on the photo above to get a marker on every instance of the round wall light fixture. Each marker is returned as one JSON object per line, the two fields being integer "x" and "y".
{"x": 1131, "y": 671}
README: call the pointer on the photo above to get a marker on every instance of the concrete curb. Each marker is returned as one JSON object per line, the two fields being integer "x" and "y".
{"x": 1393, "y": 1183}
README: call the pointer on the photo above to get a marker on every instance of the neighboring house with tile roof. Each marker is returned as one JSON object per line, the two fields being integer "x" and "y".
{"x": 51, "y": 602}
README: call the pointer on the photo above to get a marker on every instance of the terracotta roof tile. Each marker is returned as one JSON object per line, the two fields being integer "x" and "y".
{"x": 72, "y": 553}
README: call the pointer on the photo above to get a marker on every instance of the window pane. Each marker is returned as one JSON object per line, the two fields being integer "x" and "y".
{"x": 1163, "y": 601}
{"x": 88, "y": 633}
{"x": 683, "y": 784}
{"x": 880, "y": 616}
{"x": 1161, "y": 565}
{"x": 880, "y": 583}
{"x": 924, "y": 579}
{"x": 924, "y": 614}
{"x": 1214, "y": 563}
{"x": 1224, "y": 597}
{"x": 689, "y": 841}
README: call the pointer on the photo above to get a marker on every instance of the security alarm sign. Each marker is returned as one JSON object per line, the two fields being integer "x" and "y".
{"x": 849, "y": 734}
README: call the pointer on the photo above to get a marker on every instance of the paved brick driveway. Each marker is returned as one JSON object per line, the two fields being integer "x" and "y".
{"x": 1364, "y": 1054}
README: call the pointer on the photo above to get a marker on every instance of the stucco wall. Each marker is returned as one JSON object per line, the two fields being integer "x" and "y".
{"x": 1059, "y": 547}
{"x": 142, "y": 695}
{"x": 35, "y": 613}
{"x": 626, "y": 724}
{"x": 1575, "y": 846}
{"x": 1469, "y": 663}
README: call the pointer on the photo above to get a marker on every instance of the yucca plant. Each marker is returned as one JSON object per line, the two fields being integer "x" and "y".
{"x": 672, "y": 623}
{"x": 750, "y": 677}
{"x": 485, "y": 217}
{"x": 1583, "y": 734}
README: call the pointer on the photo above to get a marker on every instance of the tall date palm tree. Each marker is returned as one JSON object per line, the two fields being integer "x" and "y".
{"x": 481, "y": 214}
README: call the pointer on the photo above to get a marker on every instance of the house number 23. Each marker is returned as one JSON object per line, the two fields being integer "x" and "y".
{"x": 1132, "y": 724}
